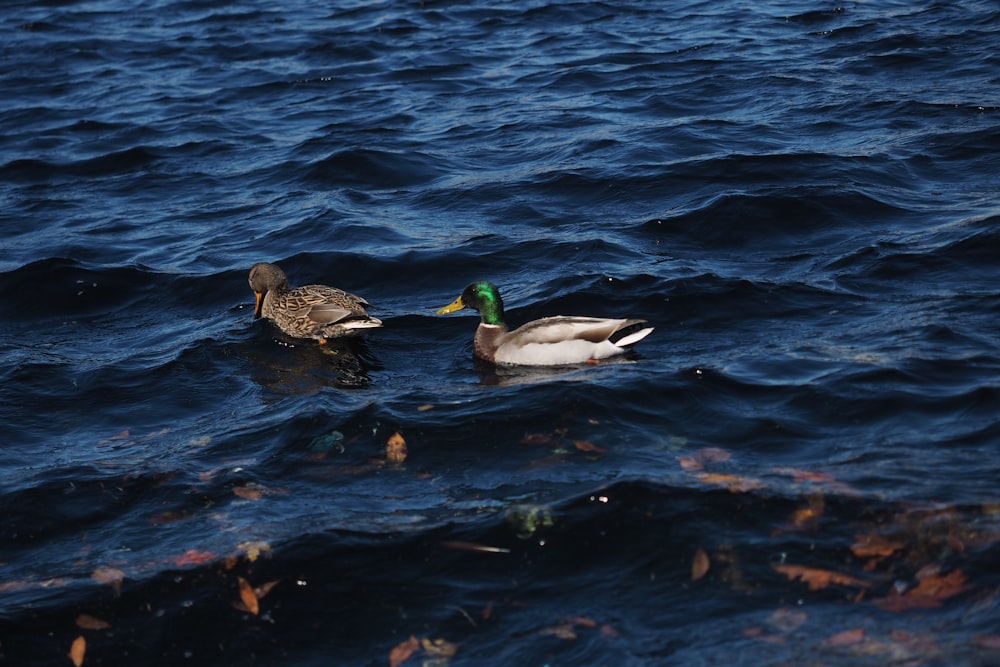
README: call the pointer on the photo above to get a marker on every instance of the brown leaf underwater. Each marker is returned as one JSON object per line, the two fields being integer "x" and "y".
{"x": 248, "y": 598}
{"x": 700, "y": 565}
{"x": 395, "y": 448}
{"x": 88, "y": 622}
{"x": 402, "y": 651}
{"x": 817, "y": 578}
{"x": 78, "y": 650}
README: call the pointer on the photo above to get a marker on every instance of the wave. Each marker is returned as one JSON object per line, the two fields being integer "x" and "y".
{"x": 801, "y": 201}
{"x": 373, "y": 168}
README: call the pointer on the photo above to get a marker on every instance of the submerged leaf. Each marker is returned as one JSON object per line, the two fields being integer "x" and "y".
{"x": 874, "y": 545}
{"x": 806, "y": 518}
{"x": 88, "y": 622}
{"x": 609, "y": 632}
{"x": 540, "y": 439}
{"x": 690, "y": 464}
{"x": 194, "y": 557}
{"x": 170, "y": 516}
{"x": 567, "y": 628}
{"x": 25, "y": 584}
{"x": 800, "y": 476}
{"x": 819, "y": 579}
{"x": 845, "y": 638}
{"x": 759, "y": 634}
{"x": 587, "y": 446}
{"x": 402, "y": 651}
{"x": 898, "y": 602}
{"x": 935, "y": 585}
{"x": 248, "y": 598}
{"x": 700, "y": 565}
{"x": 249, "y": 492}
{"x": 561, "y": 631}
{"x": 735, "y": 483}
{"x": 712, "y": 455}
{"x": 253, "y": 549}
{"x": 77, "y": 650}
{"x": 395, "y": 448}
{"x": 931, "y": 589}
{"x": 110, "y": 576}
{"x": 265, "y": 588}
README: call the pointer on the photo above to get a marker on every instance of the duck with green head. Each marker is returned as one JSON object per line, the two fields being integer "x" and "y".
{"x": 550, "y": 341}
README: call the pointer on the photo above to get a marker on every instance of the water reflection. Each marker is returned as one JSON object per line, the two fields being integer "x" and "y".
{"x": 506, "y": 376}
{"x": 291, "y": 366}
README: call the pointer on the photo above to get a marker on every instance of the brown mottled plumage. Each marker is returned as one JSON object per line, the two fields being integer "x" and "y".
{"x": 310, "y": 311}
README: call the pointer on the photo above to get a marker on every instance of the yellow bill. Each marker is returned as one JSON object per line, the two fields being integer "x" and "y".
{"x": 452, "y": 307}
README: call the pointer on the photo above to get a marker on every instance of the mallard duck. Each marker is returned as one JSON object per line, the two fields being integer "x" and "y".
{"x": 550, "y": 341}
{"x": 310, "y": 311}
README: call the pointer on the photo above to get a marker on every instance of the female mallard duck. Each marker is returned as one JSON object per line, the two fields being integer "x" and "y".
{"x": 550, "y": 341}
{"x": 310, "y": 311}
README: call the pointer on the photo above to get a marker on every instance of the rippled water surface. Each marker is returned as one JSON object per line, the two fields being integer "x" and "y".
{"x": 799, "y": 467}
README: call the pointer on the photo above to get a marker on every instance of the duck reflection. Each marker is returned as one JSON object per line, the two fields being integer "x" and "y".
{"x": 491, "y": 374}
{"x": 295, "y": 366}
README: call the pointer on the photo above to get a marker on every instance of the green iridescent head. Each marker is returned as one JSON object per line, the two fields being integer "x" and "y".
{"x": 482, "y": 296}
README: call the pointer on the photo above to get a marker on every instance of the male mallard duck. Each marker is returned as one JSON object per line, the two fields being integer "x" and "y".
{"x": 550, "y": 341}
{"x": 310, "y": 311}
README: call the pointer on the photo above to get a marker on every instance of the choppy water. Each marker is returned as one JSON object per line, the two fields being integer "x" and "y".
{"x": 802, "y": 199}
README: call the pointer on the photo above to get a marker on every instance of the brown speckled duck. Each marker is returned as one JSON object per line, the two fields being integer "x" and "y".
{"x": 550, "y": 341}
{"x": 310, "y": 311}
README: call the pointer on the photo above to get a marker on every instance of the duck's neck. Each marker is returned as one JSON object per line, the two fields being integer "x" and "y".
{"x": 485, "y": 342}
{"x": 281, "y": 288}
{"x": 272, "y": 295}
{"x": 491, "y": 312}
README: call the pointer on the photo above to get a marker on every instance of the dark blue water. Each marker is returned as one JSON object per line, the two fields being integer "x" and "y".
{"x": 801, "y": 197}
